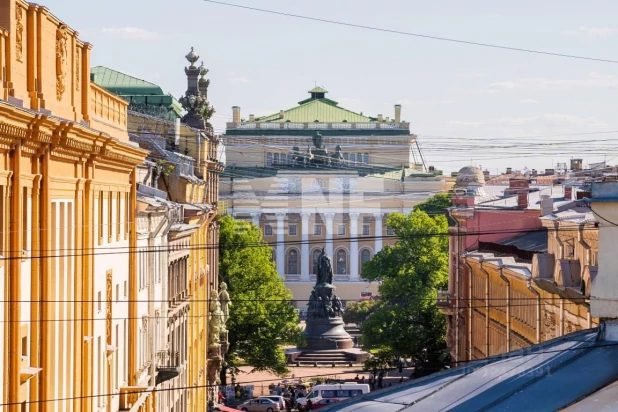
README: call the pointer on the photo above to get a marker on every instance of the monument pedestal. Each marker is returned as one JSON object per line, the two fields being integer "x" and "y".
{"x": 327, "y": 334}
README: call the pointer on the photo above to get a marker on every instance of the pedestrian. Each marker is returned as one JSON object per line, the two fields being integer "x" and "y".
{"x": 363, "y": 379}
{"x": 221, "y": 398}
{"x": 380, "y": 378}
{"x": 356, "y": 379}
{"x": 401, "y": 379}
{"x": 400, "y": 367}
{"x": 355, "y": 341}
{"x": 309, "y": 404}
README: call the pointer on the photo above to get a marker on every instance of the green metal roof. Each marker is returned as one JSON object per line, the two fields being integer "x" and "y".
{"x": 123, "y": 84}
{"x": 318, "y": 90}
{"x": 135, "y": 90}
{"x": 323, "y": 110}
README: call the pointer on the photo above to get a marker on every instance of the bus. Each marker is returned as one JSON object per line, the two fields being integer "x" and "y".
{"x": 338, "y": 390}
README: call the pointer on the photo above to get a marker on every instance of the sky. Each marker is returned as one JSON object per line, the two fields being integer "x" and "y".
{"x": 464, "y": 102}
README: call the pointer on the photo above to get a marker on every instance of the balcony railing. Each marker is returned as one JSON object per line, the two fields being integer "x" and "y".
{"x": 168, "y": 365}
{"x": 444, "y": 299}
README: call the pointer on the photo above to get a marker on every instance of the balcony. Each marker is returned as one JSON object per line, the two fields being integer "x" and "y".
{"x": 168, "y": 366}
{"x": 444, "y": 302}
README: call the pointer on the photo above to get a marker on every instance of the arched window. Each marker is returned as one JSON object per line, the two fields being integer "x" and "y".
{"x": 342, "y": 262}
{"x": 292, "y": 262}
{"x": 276, "y": 158}
{"x": 269, "y": 159}
{"x": 283, "y": 159}
{"x": 315, "y": 256}
{"x": 365, "y": 257}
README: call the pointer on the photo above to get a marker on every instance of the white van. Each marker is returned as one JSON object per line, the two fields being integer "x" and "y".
{"x": 338, "y": 390}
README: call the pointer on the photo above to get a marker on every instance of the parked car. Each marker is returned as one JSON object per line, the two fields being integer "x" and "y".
{"x": 259, "y": 405}
{"x": 275, "y": 398}
{"x": 323, "y": 403}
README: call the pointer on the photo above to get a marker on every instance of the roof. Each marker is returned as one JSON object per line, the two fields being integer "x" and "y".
{"x": 318, "y": 89}
{"x": 123, "y": 84}
{"x": 133, "y": 89}
{"x": 322, "y": 110}
{"x": 532, "y": 241}
{"x": 544, "y": 377}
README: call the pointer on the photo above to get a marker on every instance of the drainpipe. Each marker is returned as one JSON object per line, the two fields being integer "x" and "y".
{"x": 538, "y": 310}
{"x": 486, "y": 308}
{"x": 457, "y": 295}
{"x": 508, "y": 308}
{"x": 469, "y": 300}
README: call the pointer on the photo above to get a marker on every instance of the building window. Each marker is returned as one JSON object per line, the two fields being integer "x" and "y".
{"x": 352, "y": 158}
{"x": 117, "y": 292}
{"x": 346, "y": 157}
{"x": 24, "y": 346}
{"x": 284, "y": 159}
{"x": 390, "y": 232}
{"x": 342, "y": 262}
{"x": 292, "y": 262}
{"x": 365, "y": 229}
{"x": 359, "y": 157}
{"x": 317, "y": 230}
{"x": 125, "y": 287}
{"x": 99, "y": 303}
{"x": 268, "y": 230}
{"x": 341, "y": 230}
{"x": 366, "y": 158}
{"x": 273, "y": 257}
{"x": 269, "y": 159}
{"x": 365, "y": 257}
{"x": 292, "y": 229}
{"x": 316, "y": 257}
{"x": 276, "y": 159}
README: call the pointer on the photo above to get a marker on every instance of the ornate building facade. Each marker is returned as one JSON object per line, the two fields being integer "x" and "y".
{"x": 179, "y": 184}
{"x": 68, "y": 195}
{"x": 521, "y": 258}
{"x": 320, "y": 176}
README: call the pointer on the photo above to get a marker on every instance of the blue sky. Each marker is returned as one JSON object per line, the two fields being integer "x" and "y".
{"x": 265, "y": 63}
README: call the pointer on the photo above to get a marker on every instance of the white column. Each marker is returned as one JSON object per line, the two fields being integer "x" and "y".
{"x": 378, "y": 234}
{"x": 354, "y": 272}
{"x": 329, "y": 235}
{"x": 256, "y": 218}
{"x": 280, "y": 244}
{"x": 305, "y": 259}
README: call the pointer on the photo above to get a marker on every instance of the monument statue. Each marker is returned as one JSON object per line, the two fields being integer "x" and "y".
{"x": 215, "y": 324}
{"x": 318, "y": 141}
{"x": 325, "y": 326}
{"x": 224, "y": 299}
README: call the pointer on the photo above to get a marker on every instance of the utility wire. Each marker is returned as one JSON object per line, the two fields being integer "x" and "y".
{"x": 425, "y": 36}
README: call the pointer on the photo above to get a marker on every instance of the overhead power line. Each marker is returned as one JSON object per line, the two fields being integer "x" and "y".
{"x": 405, "y": 33}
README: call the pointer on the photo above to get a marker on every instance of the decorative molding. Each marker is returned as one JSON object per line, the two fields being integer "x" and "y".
{"x": 61, "y": 60}
{"x": 77, "y": 67}
{"x": 19, "y": 33}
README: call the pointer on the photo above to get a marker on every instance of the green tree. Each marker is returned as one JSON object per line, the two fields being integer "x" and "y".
{"x": 405, "y": 321}
{"x": 357, "y": 312}
{"x": 261, "y": 316}
{"x": 436, "y": 204}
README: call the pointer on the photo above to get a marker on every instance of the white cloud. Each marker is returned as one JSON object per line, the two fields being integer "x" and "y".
{"x": 594, "y": 80}
{"x": 591, "y": 31}
{"x": 528, "y": 101}
{"x": 240, "y": 79}
{"x": 130, "y": 33}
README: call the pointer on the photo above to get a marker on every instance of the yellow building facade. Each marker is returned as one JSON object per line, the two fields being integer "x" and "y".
{"x": 67, "y": 198}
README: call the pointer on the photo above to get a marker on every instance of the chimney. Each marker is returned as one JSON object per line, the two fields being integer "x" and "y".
{"x": 547, "y": 205}
{"x": 380, "y": 118}
{"x": 568, "y": 193}
{"x": 236, "y": 114}
{"x": 280, "y": 114}
{"x": 519, "y": 184}
{"x": 522, "y": 199}
{"x": 509, "y": 170}
{"x": 397, "y": 113}
{"x": 534, "y": 173}
{"x": 388, "y": 119}
{"x": 251, "y": 118}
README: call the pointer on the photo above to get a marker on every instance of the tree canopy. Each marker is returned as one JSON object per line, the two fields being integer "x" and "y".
{"x": 436, "y": 204}
{"x": 357, "y": 312}
{"x": 406, "y": 321}
{"x": 261, "y": 316}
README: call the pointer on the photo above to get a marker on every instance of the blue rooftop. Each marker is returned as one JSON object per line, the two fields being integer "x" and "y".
{"x": 545, "y": 377}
